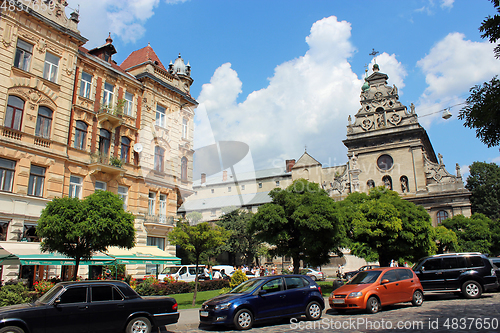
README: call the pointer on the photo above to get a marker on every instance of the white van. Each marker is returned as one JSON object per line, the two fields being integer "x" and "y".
{"x": 184, "y": 273}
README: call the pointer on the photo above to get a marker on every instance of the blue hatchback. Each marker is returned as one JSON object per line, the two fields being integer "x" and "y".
{"x": 265, "y": 298}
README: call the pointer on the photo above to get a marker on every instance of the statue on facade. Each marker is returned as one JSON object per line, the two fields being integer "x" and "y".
{"x": 457, "y": 167}
{"x": 412, "y": 108}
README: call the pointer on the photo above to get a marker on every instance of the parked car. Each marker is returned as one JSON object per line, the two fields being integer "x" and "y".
{"x": 90, "y": 306}
{"x": 370, "y": 290}
{"x": 227, "y": 269}
{"x": 468, "y": 273}
{"x": 205, "y": 276}
{"x": 496, "y": 262}
{"x": 265, "y": 298}
{"x": 186, "y": 273}
{"x": 315, "y": 275}
{"x": 348, "y": 275}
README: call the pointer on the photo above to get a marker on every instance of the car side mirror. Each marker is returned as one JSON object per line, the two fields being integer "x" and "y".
{"x": 262, "y": 292}
{"x": 57, "y": 302}
{"x": 384, "y": 281}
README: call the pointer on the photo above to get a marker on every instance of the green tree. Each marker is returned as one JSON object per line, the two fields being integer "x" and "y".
{"x": 446, "y": 239}
{"x": 300, "y": 222}
{"x": 484, "y": 184}
{"x": 473, "y": 232}
{"x": 79, "y": 228}
{"x": 482, "y": 109}
{"x": 198, "y": 239}
{"x": 194, "y": 217}
{"x": 242, "y": 240}
{"x": 383, "y": 227}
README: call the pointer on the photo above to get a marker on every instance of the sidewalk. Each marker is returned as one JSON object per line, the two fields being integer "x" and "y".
{"x": 188, "y": 319}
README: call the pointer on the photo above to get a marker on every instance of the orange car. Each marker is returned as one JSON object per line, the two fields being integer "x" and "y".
{"x": 378, "y": 287}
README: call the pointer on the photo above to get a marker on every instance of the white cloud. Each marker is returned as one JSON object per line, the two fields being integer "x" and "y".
{"x": 125, "y": 19}
{"x": 447, "y": 3}
{"x": 452, "y": 66}
{"x": 307, "y": 101}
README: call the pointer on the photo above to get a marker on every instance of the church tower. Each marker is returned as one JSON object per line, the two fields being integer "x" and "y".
{"x": 388, "y": 147}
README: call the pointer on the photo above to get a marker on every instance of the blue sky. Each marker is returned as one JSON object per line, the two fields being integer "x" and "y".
{"x": 281, "y": 75}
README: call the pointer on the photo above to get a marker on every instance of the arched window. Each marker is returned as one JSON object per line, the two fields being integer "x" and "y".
{"x": 159, "y": 158}
{"x": 370, "y": 183}
{"x": 441, "y": 216}
{"x": 405, "y": 187}
{"x": 387, "y": 182}
{"x": 80, "y": 134}
{"x": 43, "y": 122}
{"x": 184, "y": 168}
{"x": 104, "y": 142}
{"x": 14, "y": 115}
{"x": 125, "y": 151}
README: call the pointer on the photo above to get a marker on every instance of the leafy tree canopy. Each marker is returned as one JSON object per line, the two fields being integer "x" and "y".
{"x": 482, "y": 109}
{"x": 194, "y": 217}
{"x": 79, "y": 228}
{"x": 300, "y": 222}
{"x": 446, "y": 240}
{"x": 198, "y": 239}
{"x": 383, "y": 227}
{"x": 242, "y": 240}
{"x": 484, "y": 184}
{"x": 473, "y": 232}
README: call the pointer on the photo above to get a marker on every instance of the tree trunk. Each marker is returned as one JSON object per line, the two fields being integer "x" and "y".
{"x": 296, "y": 265}
{"x": 77, "y": 263}
{"x": 196, "y": 281}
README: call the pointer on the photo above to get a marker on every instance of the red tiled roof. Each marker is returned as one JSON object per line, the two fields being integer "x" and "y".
{"x": 140, "y": 56}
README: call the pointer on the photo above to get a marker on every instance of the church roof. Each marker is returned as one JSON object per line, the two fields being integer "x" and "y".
{"x": 306, "y": 160}
{"x": 141, "y": 56}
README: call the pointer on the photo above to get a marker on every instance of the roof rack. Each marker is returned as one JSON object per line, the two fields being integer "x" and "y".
{"x": 458, "y": 253}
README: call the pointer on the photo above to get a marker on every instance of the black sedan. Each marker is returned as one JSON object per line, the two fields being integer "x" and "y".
{"x": 89, "y": 306}
{"x": 349, "y": 275}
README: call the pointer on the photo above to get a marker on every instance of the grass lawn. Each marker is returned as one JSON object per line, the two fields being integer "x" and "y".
{"x": 185, "y": 301}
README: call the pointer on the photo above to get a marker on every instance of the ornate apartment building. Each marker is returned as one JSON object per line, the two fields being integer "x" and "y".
{"x": 73, "y": 121}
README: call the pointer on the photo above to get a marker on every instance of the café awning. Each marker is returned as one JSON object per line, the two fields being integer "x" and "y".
{"x": 22, "y": 253}
{"x": 142, "y": 254}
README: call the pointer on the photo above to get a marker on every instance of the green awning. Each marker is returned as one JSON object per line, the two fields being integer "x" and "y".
{"x": 21, "y": 253}
{"x": 150, "y": 255}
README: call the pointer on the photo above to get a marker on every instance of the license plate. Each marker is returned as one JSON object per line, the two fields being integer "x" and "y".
{"x": 204, "y": 313}
{"x": 339, "y": 301}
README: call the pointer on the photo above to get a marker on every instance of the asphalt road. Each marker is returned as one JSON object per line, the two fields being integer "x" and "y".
{"x": 439, "y": 313}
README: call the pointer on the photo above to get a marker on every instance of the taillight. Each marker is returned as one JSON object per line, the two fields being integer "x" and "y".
{"x": 319, "y": 289}
{"x": 174, "y": 307}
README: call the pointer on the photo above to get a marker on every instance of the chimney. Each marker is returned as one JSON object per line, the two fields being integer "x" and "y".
{"x": 289, "y": 165}
{"x": 203, "y": 178}
{"x": 224, "y": 175}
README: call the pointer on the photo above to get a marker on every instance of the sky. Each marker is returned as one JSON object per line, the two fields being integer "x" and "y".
{"x": 283, "y": 76}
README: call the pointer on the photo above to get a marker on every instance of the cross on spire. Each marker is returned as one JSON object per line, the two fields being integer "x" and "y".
{"x": 374, "y": 54}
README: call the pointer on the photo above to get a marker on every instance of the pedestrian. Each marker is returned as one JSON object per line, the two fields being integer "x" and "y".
{"x": 217, "y": 275}
{"x": 406, "y": 264}
{"x": 340, "y": 271}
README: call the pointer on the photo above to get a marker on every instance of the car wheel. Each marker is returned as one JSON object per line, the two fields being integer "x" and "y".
{"x": 139, "y": 325}
{"x": 372, "y": 305}
{"x": 243, "y": 320}
{"x": 313, "y": 311}
{"x": 11, "y": 329}
{"x": 418, "y": 298}
{"x": 314, "y": 277}
{"x": 471, "y": 289}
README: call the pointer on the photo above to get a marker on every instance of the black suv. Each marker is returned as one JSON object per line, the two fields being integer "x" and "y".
{"x": 470, "y": 273}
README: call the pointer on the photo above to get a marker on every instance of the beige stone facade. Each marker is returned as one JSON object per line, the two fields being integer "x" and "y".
{"x": 73, "y": 122}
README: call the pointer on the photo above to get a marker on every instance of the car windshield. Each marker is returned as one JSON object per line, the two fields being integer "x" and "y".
{"x": 365, "y": 277}
{"x": 246, "y": 286}
{"x": 416, "y": 267}
{"x": 49, "y": 295}
{"x": 170, "y": 270}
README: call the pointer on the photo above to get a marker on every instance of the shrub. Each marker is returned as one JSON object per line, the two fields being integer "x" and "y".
{"x": 41, "y": 287}
{"x": 11, "y": 294}
{"x": 148, "y": 286}
{"x": 237, "y": 278}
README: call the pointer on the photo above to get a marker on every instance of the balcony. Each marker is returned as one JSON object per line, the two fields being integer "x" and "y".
{"x": 112, "y": 115}
{"x": 111, "y": 165}
{"x": 160, "y": 219}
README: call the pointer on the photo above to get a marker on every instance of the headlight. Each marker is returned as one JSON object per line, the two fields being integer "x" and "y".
{"x": 356, "y": 294}
{"x": 222, "y": 306}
